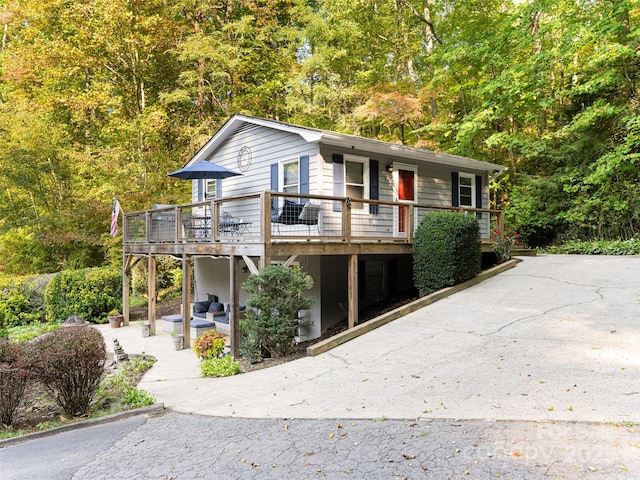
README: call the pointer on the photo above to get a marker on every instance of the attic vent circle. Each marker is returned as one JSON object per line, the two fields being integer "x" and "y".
{"x": 244, "y": 158}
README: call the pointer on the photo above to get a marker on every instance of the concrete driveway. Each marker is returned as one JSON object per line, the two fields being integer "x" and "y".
{"x": 555, "y": 338}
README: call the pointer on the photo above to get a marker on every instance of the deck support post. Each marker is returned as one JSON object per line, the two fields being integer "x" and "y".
{"x": 151, "y": 291}
{"x": 352, "y": 289}
{"x": 234, "y": 300}
{"x": 186, "y": 301}
{"x": 126, "y": 285}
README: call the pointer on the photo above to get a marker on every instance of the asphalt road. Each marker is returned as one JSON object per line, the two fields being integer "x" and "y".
{"x": 178, "y": 446}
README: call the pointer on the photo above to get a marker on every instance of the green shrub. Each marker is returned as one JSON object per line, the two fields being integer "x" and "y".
{"x": 14, "y": 377}
{"x": 69, "y": 362}
{"x": 599, "y": 247}
{"x": 22, "y": 301}
{"x": 90, "y": 293}
{"x": 276, "y": 295}
{"x": 118, "y": 389}
{"x": 137, "y": 398}
{"x": 503, "y": 243}
{"x": 446, "y": 251}
{"x": 219, "y": 367}
{"x": 209, "y": 345}
{"x": 29, "y": 332}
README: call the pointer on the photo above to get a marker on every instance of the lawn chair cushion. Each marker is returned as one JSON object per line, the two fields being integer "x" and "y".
{"x": 216, "y": 307}
{"x": 290, "y": 213}
{"x": 201, "y": 307}
{"x": 198, "y": 323}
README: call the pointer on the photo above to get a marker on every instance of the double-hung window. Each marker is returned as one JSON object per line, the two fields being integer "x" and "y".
{"x": 466, "y": 190}
{"x": 210, "y": 189}
{"x": 290, "y": 176}
{"x": 356, "y": 180}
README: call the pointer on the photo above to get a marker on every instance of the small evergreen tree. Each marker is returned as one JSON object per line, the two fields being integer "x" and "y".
{"x": 276, "y": 296}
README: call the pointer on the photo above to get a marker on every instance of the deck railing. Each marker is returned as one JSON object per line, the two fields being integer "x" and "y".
{"x": 273, "y": 217}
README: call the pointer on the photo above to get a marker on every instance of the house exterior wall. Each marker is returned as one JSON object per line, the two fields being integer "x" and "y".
{"x": 267, "y": 146}
{"x": 434, "y": 180}
{"x": 270, "y": 146}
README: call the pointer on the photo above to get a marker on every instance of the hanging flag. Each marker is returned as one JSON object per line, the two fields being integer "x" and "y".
{"x": 114, "y": 217}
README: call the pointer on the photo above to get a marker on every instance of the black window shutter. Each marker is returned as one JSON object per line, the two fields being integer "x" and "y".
{"x": 338, "y": 180}
{"x": 479, "y": 191}
{"x": 199, "y": 190}
{"x": 455, "y": 189}
{"x": 374, "y": 185}
{"x": 304, "y": 175}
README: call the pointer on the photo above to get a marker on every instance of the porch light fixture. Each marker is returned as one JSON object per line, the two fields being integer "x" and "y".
{"x": 389, "y": 167}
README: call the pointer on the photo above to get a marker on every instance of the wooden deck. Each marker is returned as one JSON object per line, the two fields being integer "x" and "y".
{"x": 261, "y": 225}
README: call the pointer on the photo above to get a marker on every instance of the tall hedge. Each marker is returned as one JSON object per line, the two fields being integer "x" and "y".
{"x": 22, "y": 301}
{"x": 446, "y": 250}
{"x": 90, "y": 293}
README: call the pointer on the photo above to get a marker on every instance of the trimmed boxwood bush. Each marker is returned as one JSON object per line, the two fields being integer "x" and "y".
{"x": 22, "y": 301}
{"x": 446, "y": 251}
{"x": 70, "y": 363}
{"x": 13, "y": 379}
{"x": 89, "y": 293}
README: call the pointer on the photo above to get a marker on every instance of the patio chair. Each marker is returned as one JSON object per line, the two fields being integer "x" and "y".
{"x": 298, "y": 214}
{"x": 310, "y": 215}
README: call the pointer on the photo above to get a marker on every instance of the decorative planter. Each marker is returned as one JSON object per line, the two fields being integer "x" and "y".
{"x": 144, "y": 328}
{"x": 115, "y": 320}
{"x": 177, "y": 341}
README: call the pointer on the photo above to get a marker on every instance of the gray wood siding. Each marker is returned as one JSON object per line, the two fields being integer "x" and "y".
{"x": 434, "y": 180}
{"x": 267, "y": 146}
{"x": 434, "y": 186}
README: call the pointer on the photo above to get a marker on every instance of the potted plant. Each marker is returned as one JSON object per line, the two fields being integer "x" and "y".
{"x": 177, "y": 339}
{"x": 115, "y": 318}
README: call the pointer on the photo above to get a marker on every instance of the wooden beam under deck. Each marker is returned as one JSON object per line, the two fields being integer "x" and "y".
{"x": 151, "y": 295}
{"x": 186, "y": 301}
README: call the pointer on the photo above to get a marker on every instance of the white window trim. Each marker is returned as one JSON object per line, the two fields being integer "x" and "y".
{"x": 472, "y": 177}
{"x": 284, "y": 162}
{"x": 208, "y": 182}
{"x": 365, "y": 179}
{"x": 396, "y": 181}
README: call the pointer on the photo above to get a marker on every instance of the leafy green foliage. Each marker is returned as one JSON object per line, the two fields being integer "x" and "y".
{"x": 70, "y": 363}
{"x": 29, "y": 332}
{"x": 224, "y": 366}
{"x": 107, "y": 100}
{"x": 276, "y": 296}
{"x": 503, "y": 243}
{"x": 446, "y": 251}
{"x": 209, "y": 345}
{"x": 599, "y": 247}
{"x": 14, "y": 376}
{"x": 90, "y": 293}
{"x": 118, "y": 390}
{"x": 22, "y": 301}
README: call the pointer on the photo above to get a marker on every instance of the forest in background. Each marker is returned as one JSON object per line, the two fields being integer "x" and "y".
{"x": 104, "y": 97}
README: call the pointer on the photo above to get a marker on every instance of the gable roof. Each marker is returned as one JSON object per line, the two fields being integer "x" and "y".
{"x": 327, "y": 137}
